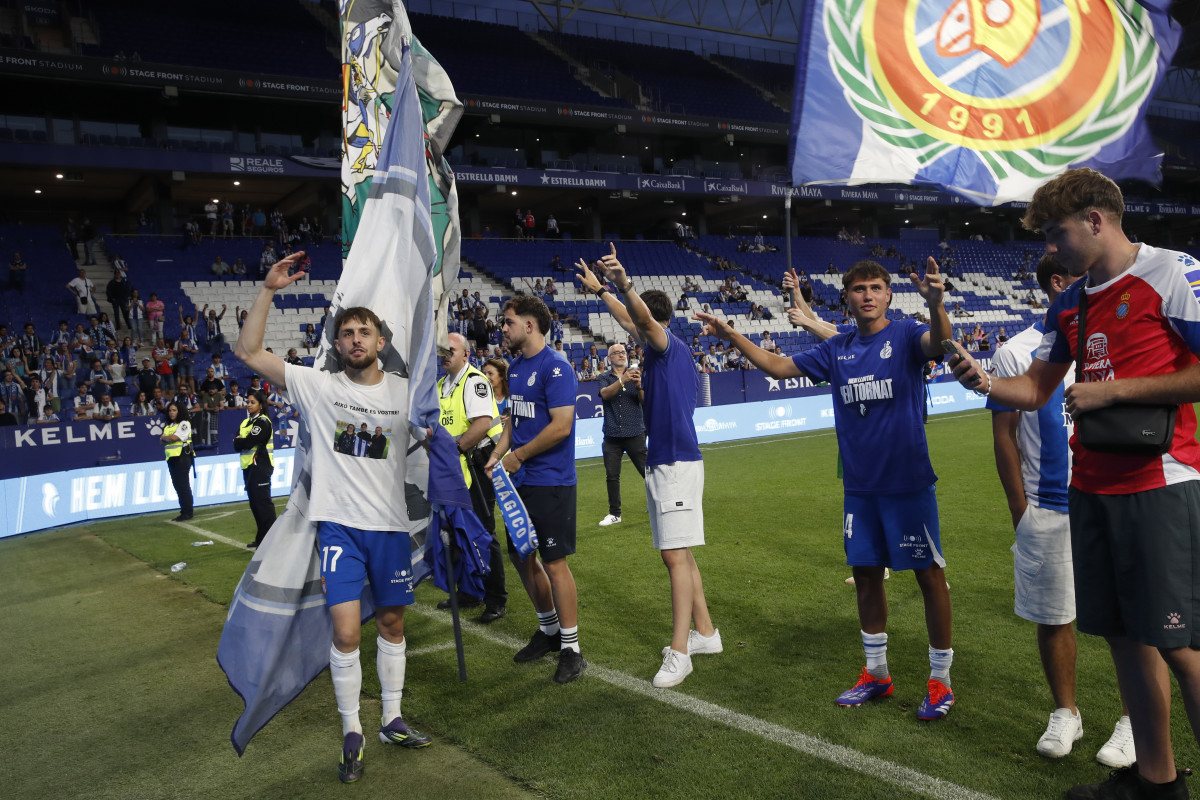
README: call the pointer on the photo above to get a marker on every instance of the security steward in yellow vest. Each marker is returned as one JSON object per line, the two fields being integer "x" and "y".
{"x": 177, "y": 444}
{"x": 256, "y": 443}
{"x": 470, "y": 415}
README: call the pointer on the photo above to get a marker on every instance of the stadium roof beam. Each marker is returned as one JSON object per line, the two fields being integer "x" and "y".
{"x": 771, "y": 20}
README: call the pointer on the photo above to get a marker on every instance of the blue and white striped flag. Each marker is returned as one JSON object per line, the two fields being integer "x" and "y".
{"x": 278, "y": 632}
{"x": 987, "y": 100}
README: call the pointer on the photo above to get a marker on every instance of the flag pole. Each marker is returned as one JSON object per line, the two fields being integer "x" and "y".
{"x": 458, "y": 644}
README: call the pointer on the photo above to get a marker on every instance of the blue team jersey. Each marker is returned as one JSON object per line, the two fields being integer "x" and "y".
{"x": 535, "y": 385}
{"x": 878, "y": 400}
{"x": 1042, "y": 435}
{"x": 672, "y": 384}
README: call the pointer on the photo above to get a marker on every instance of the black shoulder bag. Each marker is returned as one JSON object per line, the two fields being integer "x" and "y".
{"x": 1127, "y": 428}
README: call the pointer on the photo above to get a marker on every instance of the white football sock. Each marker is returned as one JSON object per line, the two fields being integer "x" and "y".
{"x": 939, "y": 663}
{"x": 548, "y": 622}
{"x": 570, "y": 638}
{"x": 390, "y": 662}
{"x": 346, "y": 671}
{"x": 875, "y": 647}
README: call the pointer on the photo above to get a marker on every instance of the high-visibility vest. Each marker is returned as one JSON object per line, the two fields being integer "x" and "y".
{"x": 175, "y": 448}
{"x": 454, "y": 415}
{"x": 247, "y": 456}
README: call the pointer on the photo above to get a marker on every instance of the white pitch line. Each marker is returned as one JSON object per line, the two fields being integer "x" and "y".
{"x": 214, "y": 536}
{"x": 431, "y": 648}
{"x": 878, "y": 768}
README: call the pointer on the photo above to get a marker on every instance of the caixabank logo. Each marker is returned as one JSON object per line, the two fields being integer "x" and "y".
{"x": 1031, "y": 86}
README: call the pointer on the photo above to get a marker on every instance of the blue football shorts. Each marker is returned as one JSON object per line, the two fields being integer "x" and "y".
{"x": 350, "y": 556}
{"x": 892, "y": 530}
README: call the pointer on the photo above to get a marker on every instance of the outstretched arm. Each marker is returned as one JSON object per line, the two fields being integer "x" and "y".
{"x": 773, "y": 365}
{"x": 591, "y": 284}
{"x": 648, "y": 330}
{"x": 933, "y": 290}
{"x": 249, "y": 349}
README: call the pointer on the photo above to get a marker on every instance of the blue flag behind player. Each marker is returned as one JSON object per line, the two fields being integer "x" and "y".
{"x": 277, "y": 633}
{"x": 945, "y": 93}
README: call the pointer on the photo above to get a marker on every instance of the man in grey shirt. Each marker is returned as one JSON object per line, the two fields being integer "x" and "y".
{"x": 624, "y": 426}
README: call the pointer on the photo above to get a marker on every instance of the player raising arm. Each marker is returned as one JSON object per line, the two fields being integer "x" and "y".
{"x": 891, "y": 517}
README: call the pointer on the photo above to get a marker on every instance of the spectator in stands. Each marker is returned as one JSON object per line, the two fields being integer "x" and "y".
{"x": 147, "y": 378}
{"x": 159, "y": 400}
{"x": 162, "y": 365}
{"x": 219, "y": 267}
{"x": 35, "y": 393}
{"x": 141, "y": 406}
{"x": 213, "y": 399}
{"x": 218, "y": 368}
{"x": 213, "y": 338}
{"x": 12, "y": 392}
{"x": 479, "y": 328}
{"x": 234, "y": 397}
{"x": 46, "y": 416}
{"x": 713, "y": 361}
{"x": 117, "y": 294}
{"x": 594, "y": 361}
{"x": 186, "y": 350}
{"x": 241, "y": 315}
{"x": 83, "y": 290}
{"x": 121, "y": 266}
{"x": 97, "y": 380}
{"x": 84, "y": 403}
{"x": 226, "y": 220}
{"x": 1001, "y": 337}
{"x": 682, "y": 303}
{"x": 733, "y": 360}
{"x": 267, "y": 258}
{"x": 89, "y": 240}
{"x": 624, "y": 427}
{"x": 984, "y": 344}
{"x": 530, "y": 226}
{"x": 293, "y": 358}
{"x": 556, "y": 264}
{"x": 551, "y": 227}
{"x": 259, "y": 221}
{"x": 20, "y": 362}
{"x": 479, "y": 302}
{"x": 71, "y": 235}
{"x": 312, "y": 340}
{"x": 959, "y": 311}
{"x": 62, "y": 335}
{"x": 519, "y": 225}
{"x": 116, "y": 374}
{"x": 210, "y": 216}
{"x": 30, "y": 341}
{"x": 767, "y": 343}
{"x": 16, "y": 273}
{"x": 7, "y": 418}
{"x": 52, "y": 378}
{"x": 239, "y": 267}
{"x": 586, "y": 372}
{"x": 106, "y": 409}
{"x": 107, "y": 331}
{"x": 211, "y": 381}
{"x": 156, "y": 313}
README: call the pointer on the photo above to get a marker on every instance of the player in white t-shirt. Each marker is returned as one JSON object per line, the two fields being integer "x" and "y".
{"x": 361, "y": 531}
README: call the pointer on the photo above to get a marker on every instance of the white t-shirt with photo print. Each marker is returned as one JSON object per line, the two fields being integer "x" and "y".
{"x": 358, "y": 491}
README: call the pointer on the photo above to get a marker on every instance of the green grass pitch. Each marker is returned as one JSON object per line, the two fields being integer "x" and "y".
{"x": 111, "y": 688}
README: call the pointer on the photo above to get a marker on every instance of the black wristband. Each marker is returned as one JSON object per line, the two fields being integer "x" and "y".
{"x": 603, "y": 290}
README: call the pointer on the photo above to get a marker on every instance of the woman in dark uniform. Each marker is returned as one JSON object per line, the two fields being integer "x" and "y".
{"x": 256, "y": 444}
{"x": 177, "y": 440}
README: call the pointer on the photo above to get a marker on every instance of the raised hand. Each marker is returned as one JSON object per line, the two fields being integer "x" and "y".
{"x": 932, "y": 288}
{"x": 278, "y": 278}
{"x": 587, "y": 278}
{"x": 713, "y": 326}
{"x": 612, "y": 267}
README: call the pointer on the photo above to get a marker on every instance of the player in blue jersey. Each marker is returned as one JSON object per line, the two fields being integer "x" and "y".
{"x": 541, "y": 433}
{"x": 1033, "y": 462}
{"x": 674, "y": 466}
{"x": 891, "y": 515}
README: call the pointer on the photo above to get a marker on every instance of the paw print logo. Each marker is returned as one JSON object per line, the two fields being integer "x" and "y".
{"x": 1173, "y": 618}
{"x": 155, "y": 427}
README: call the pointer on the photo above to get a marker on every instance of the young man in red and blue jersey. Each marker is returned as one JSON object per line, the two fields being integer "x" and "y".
{"x": 1135, "y": 519}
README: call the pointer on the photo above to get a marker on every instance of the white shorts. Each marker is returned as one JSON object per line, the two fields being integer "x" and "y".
{"x": 675, "y": 504}
{"x": 1045, "y": 584}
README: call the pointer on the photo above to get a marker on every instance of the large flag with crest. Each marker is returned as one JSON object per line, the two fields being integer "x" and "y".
{"x": 402, "y": 111}
{"x": 985, "y": 98}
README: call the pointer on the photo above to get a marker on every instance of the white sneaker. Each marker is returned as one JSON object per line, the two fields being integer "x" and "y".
{"x": 675, "y": 667}
{"x": 1118, "y": 752}
{"x": 1064, "y": 730}
{"x": 699, "y": 645}
{"x": 609, "y": 519}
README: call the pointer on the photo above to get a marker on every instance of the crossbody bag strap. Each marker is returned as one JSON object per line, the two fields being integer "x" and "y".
{"x": 1081, "y": 332}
